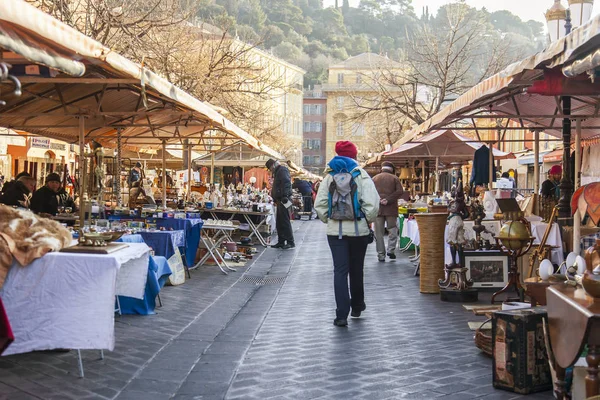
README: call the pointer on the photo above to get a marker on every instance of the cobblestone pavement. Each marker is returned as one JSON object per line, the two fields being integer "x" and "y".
{"x": 268, "y": 334}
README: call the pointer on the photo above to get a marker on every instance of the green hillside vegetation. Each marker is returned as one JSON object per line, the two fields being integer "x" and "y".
{"x": 305, "y": 33}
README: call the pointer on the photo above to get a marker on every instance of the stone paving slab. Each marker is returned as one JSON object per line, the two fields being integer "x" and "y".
{"x": 226, "y": 337}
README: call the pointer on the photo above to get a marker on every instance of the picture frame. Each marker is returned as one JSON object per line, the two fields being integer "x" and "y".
{"x": 487, "y": 269}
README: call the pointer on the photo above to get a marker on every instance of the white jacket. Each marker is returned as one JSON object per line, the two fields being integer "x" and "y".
{"x": 367, "y": 196}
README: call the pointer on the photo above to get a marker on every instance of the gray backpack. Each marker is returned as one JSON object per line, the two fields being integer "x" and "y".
{"x": 343, "y": 199}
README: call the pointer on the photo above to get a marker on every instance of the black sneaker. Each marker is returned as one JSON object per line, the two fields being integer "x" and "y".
{"x": 340, "y": 322}
{"x": 278, "y": 245}
{"x": 288, "y": 246}
{"x": 392, "y": 256}
{"x": 356, "y": 313}
{"x": 381, "y": 259}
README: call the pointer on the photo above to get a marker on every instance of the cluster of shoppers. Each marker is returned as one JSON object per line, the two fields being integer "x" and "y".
{"x": 45, "y": 201}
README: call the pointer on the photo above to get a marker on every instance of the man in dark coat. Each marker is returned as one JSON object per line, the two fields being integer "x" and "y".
{"x": 8, "y": 184}
{"x": 390, "y": 190}
{"x": 45, "y": 200}
{"x": 18, "y": 192}
{"x": 305, "y": 189}
{"x": 281, "y": 194}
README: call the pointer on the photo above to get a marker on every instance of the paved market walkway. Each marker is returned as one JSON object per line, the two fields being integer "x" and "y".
{"x": 268, "y": 334}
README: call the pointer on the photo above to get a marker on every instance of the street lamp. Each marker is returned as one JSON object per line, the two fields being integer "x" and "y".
{"x": 581, "y": 11}
{"x": 559, "y": 25}
{"x": 556, "y": 17}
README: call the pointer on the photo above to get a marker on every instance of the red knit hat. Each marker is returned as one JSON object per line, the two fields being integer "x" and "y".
{"x": 555, "y": 170}
{"x": 346, "y": 149}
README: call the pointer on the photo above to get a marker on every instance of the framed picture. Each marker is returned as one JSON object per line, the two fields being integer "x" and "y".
{"x": 488, "y": 269}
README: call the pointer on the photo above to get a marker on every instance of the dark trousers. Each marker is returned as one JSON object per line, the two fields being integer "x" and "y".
{"x": 348, "y": 261}
{"x": 283, "y": 224}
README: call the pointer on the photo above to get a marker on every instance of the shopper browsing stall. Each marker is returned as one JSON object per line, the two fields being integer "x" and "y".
{"x": 281, "y": 193}
{"x": 550, "y": 187}
{"x": 390, "y": 190}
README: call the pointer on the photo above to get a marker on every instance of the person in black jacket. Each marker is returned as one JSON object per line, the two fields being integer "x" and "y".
{"x": 281, "y": 193}
{"x": 18, "y": 192}
{"x": 46, "y": 199}
{"x": 8, "y": 184}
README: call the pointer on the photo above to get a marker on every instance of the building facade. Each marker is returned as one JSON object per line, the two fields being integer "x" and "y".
{"x": 282, "y": 111}
{"x": 314, "y": 130}
{"x": 353, "y": 86}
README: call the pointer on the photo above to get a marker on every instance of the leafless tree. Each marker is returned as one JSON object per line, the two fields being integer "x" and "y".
{"x": 197, "y": 56}
{"x": 443, "y": 59}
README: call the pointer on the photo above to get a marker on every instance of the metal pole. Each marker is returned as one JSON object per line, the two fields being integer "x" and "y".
{"x": 188, "y": 196}
{"x": 117, "y": 184}
{"x": 566, "y": 186}
{"x": 437, "y": 174}
{"x": 578, "y": 154}
{"x": 164, "y": 174}
{"x": 212, "y": 168}
{"x": 536, "y": 170}
{"x": 577, "y": 216}
{"x": 423, "y": 176}
{"x": 491, "y": 165}
{"x": 81, "y": 171}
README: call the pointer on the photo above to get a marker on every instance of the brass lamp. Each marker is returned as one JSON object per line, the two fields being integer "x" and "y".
{"x": 515, "y": 240}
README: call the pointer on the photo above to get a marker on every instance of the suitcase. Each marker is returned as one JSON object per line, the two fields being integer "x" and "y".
{"x": 520, "y": 361}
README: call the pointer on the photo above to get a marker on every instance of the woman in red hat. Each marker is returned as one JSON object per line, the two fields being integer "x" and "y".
{"x": 348, "y": 203}
{"x": 550, "y": 187}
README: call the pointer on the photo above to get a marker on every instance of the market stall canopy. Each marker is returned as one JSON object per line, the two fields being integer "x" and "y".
{"x": 240, "y": 154}
{"x": 106, "y": 91}
{"x": 446, "y": 145}
{"x": 529, "y": 91}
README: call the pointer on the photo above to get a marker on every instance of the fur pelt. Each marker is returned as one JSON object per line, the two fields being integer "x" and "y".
{"x": 26, "y": 236}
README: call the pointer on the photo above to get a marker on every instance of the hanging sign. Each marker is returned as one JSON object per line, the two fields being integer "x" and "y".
{"x": 40, "y": 143}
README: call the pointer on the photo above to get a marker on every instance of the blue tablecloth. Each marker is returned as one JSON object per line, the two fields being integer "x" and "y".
{"x": 158, "y": 273}
{"x": 164, "y": 243}
{"x": 191, "y": 227}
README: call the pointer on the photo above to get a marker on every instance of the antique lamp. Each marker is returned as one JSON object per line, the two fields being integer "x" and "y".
{"x": 556, "y": 17}
{"x": 581, "y": 11}
{"x": 515, "y": 240}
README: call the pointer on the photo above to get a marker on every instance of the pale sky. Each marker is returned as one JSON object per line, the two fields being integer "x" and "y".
{"x": 525, "y": 9}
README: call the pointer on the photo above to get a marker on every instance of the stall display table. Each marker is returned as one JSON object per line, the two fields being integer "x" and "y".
{"x": 212, "y": 243}
{"x": 574, "y": 321}
{"x": 254, "y": 227}
{"x": 191, "y": 228}
{"x": 164, "y": 243}
{"x": 66, "y": 300}
{"x": 535, "y": 288}
{"x": 158, "y": 274}
{"x": 411, "y": 231}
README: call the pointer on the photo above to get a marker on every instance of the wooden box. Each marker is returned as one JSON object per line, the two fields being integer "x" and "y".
{"x": 520, "y": 360}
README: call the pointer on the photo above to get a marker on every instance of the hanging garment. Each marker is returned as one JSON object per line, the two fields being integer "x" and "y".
{"x": 481, "y": 167}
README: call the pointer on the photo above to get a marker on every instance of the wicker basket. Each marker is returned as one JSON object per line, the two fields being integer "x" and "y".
{"x": 431, "y": 228}
{"x": 483, "y": 339}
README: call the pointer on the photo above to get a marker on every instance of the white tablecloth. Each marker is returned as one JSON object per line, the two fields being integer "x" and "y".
{"x": 411, "y": 231}
{"x": 66, "y": 300}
